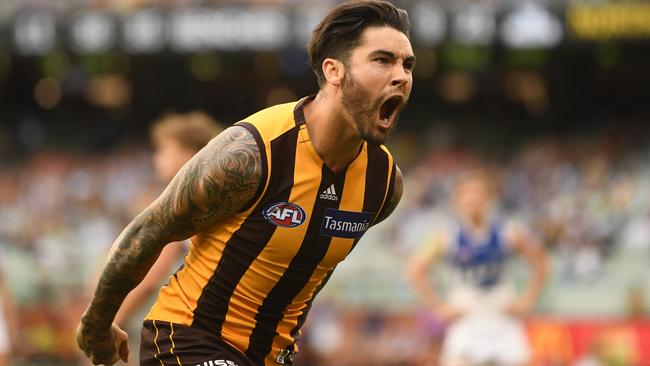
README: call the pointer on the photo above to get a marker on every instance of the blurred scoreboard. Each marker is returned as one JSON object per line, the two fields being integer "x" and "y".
{"x": 622, "y": 20}
{"x": 38, "y": 29}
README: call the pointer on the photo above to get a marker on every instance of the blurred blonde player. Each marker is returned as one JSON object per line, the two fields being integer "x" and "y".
{"x": 175, "y": 138}
{"x": 480, "y": 305}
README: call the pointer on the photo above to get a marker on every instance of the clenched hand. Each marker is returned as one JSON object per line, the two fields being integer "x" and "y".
{"x": 103, "y": 346}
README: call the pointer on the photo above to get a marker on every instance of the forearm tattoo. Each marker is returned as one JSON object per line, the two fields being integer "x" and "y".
{"x": 213, "y": 185}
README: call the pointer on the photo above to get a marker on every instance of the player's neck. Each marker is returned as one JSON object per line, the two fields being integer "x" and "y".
{"x": 476, "y": 223}
{"x": 335, "y": 141}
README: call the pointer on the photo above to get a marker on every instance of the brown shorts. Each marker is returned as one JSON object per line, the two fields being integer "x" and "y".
{"x": 170, "y": 344}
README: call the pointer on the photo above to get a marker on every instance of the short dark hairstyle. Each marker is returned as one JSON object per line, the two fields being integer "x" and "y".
{"x": 340, "y": 31}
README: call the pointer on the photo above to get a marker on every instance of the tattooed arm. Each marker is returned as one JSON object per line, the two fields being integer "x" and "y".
{"x": 216, "y": 183}
{"x": 395, "y": 198}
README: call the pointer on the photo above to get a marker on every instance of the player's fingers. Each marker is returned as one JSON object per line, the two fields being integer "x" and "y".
{"x": 105, "y": 358}
{"x": 119, "y": 334}
{"x": 115, "y": 358}
{"x": 124, "y": 351}
{"x": 97, "y": 361}
{"x": 82, "y": 345}
{"x": 120, "y": 344}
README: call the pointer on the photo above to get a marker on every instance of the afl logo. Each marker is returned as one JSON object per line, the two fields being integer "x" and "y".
{"x": 284, "y": 214}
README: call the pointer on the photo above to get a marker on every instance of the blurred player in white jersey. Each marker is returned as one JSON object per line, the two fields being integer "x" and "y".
{"x": 482, "y": 307}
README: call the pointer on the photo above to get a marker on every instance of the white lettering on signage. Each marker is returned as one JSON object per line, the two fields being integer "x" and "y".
{"x": 351, "y": 227}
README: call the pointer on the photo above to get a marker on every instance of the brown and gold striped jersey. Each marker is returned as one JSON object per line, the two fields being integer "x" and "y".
{"x": 251, "y": 278}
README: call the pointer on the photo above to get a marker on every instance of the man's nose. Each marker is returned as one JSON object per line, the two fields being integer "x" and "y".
{"x": 400, "y": 78}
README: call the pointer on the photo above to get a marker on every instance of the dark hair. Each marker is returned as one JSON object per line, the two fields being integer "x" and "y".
{"x": 340, "y": 31}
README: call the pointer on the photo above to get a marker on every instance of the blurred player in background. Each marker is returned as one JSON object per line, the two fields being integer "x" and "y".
{"x": 8, "y": 321}
{"x": 175, "y": 139}
{"x": 272, "y": 205}
{"x": 480, "y": 303}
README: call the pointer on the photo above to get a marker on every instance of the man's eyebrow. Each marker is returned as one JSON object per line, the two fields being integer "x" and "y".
{"x": 392, "y": 55}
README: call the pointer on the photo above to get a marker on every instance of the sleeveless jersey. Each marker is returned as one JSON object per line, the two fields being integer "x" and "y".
{"x": 251, "y": 278}
{"x": 479, "y": 262}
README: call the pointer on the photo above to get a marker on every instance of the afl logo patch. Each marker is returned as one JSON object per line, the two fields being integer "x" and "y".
{"x": 284, "y": 214}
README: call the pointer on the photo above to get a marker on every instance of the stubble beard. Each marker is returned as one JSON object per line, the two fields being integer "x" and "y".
{"x": 358, "y": 103}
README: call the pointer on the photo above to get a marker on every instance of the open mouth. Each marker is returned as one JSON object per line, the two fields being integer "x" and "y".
{"x": 389, "y": 109}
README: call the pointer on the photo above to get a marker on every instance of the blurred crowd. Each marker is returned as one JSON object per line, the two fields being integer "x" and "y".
{"x": 59, "y": 213}
{"x": 586, "y": 200}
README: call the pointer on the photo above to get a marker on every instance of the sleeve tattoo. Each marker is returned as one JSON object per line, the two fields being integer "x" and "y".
{"x": 216, "y": 183}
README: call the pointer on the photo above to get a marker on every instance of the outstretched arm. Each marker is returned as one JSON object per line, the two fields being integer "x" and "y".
{"x": 216, "y": 183}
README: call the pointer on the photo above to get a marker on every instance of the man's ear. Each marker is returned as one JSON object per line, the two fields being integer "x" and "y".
{"x": 334, "y": 71}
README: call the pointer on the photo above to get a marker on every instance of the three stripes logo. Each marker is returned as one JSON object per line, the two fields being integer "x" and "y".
{"x": 329, "y": 194}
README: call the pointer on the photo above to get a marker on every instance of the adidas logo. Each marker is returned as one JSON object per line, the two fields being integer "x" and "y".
{"x": 329, "y": 194}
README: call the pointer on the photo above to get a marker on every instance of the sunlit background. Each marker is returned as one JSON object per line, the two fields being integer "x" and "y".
{"x": 552, "y": 96}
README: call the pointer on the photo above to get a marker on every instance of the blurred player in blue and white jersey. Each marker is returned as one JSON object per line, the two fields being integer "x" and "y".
{"x": 479, "y": 301}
